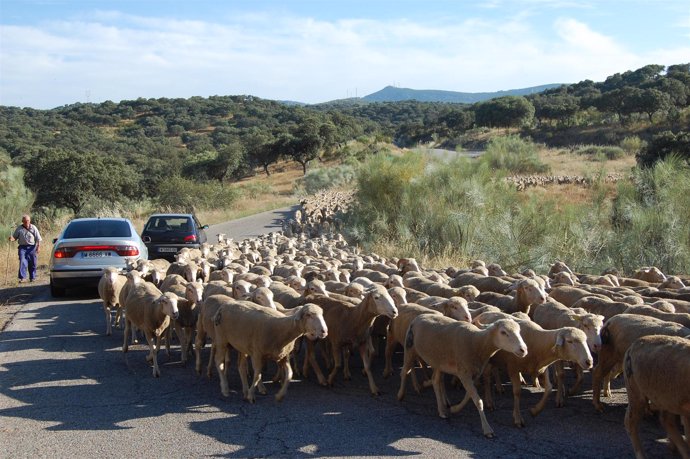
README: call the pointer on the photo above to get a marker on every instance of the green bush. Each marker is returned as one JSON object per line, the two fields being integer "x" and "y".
{"x": 633, "y": 145}
{"x": 326, "y": 177}
{"x": 514, "y": 155}
{"x": 601, "y": 153}
{"x": 15, "y": 198}
{"x": 465, "y": 210}
{"x": 180, "y": 194}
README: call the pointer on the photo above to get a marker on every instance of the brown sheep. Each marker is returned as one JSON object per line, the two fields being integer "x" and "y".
{"x": 645, "y": 360}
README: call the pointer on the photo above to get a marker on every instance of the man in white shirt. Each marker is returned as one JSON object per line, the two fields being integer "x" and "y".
{"x": 29, "y": 245}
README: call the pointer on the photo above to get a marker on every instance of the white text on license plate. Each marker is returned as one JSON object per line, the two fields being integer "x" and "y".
{"x": 99, "y": 254}
{"x": 167, "y": 249}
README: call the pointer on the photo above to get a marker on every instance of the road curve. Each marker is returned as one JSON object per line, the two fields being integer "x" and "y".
{"x": 253, "y": 225}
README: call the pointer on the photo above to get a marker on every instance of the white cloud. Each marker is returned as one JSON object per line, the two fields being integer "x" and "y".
{"x": 116, "y": 56}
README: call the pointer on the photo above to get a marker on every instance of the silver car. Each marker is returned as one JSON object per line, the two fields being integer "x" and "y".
{"x": 88, "y": 245}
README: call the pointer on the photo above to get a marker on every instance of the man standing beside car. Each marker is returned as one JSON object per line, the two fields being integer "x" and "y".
{"x": 29, "y": 244}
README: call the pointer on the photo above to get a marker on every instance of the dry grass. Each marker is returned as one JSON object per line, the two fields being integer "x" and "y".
{"x": 563, "y": 162}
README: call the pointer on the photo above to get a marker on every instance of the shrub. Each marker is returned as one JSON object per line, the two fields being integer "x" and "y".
{"x": 633, "y": 145}
{"x": 601, "y": 153}
{"x": 326, "y": 177}
{"x": 180, "y": 194}
{"x": 513, "y": 154}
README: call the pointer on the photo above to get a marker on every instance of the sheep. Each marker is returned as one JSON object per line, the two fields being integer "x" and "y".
{"x": 564, "y": 278}
{"x": 187, "y": 269}
{"x": 545, "y": 347}
{"x": 552, "y": 315}
{"x": 174, "y": 283}
{"x": 225, "y": 275}
{"x": 290, "y": 298}
{"x": 672, "y": 283}
{"x": 350, "y": 325}
{"x": 678, "y": 317}
{"x": 149, "y": 310}
{"x": 483, "y": 283}
{"x": 646, "y": 359}
{"x": 454, "y": 307}
{"x": 430, "y": 287}
{"x": 397, "y": 330}
{"x": 185, "y": 323}
{"x": 617, "y": 336}
{"x": 528, "y": 292}
{"x": 650, "y": 274}
{"x": 261, "y": 333}
{"x": 559, "y": 267}
{"x": 601, "y": 306}
{"x": 460, "y": 349}
{"x": 568, "y": 295}
{"x": 109, "y": 287}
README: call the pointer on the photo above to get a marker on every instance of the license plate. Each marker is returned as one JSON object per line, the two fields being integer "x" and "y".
{"x": 97, "y": 254}
{"x": 167, "y": 249}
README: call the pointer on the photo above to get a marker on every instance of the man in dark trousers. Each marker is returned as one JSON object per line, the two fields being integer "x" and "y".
{"x": 29, "y": 244}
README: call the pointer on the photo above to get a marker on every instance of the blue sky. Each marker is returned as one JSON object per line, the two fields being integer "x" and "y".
{"x": 58, "y": 52}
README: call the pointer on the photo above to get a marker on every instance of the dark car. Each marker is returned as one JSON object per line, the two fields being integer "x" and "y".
{"x": 165, "y": 234}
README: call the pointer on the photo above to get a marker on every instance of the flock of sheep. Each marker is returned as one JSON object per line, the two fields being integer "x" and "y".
{"x": 522, "y": 182}
{"x": 307, "y": 304}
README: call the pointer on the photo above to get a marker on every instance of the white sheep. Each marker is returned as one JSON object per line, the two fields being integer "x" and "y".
{"x": 545, "y": 348}
{"x": 460, "y": 349}
{"x": 528, "y": 292}
{"x": 149, "y": 310}
{"x": 644, "y": 362}
{"x": 261, "y": 333}
{"x": 349, "y": 325}
{"x": 109, "y": 287}
{"x": 617, "y": 336}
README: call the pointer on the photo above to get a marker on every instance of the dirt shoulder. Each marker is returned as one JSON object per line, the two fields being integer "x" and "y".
{"x": 14, "y": 295}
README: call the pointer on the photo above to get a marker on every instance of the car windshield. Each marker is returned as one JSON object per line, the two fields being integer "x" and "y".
{"x": 163, "y": 223}
{"x": 97, "y": 228}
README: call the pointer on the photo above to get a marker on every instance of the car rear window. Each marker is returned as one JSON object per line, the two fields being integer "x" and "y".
{"x": 98, "y": 228}
{"x": 182, "y": 224}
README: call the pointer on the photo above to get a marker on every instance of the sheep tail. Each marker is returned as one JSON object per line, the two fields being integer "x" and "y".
{"x": 409, "y": 338}
{"x": 217, "y": 318}
{"x": 628, "y": 365}
{"x": 605, "y": 335}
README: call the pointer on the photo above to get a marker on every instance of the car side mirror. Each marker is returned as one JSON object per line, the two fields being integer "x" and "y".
{"x": 205, "y": 227}
{"x": 54, "y": 240}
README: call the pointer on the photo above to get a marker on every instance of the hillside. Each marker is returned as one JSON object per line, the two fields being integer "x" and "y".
{"x": 395, "y": 94}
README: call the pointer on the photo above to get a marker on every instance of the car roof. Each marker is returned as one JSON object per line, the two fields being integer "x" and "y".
{"x": 171, "y": 215}
{"x": 120, "y": 219}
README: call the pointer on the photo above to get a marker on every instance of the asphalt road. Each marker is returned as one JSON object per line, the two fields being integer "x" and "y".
{"x": 252, "y": 225}
{"x": 66, "y": 390}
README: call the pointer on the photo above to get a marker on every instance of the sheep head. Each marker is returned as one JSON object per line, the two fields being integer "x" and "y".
{"x": 506, "y": 333}
{"x": 571, "y": 344}
{"x": 168, "y": 302}
{"x": 382, "y": 303}
{"x": 311, "y": 316}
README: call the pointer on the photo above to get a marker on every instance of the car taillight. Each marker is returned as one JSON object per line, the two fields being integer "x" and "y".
{"x": 64, "y": 252}
{"x": 190, "y": 238}
{"x": 127, "y": 251}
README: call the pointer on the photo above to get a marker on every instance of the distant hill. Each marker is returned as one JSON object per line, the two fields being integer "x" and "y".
{"x": 394, "y": 94}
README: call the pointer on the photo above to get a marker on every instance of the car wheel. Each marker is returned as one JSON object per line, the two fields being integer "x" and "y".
{"x": 55, "y": 291}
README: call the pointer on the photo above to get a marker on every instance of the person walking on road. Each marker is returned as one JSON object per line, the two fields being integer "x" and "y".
{"x": 29, "y": 244}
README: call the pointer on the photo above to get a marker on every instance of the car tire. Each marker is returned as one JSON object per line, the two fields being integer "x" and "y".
{"x": 55, "y": 291}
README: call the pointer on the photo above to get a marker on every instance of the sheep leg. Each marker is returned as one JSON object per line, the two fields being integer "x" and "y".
{"x": 182, "y": 337}
{"x": 437, "y": 381}
{"x": 388, "y": 355}
{"x": 108, "y": 319}
{"x": 578, "y": 382}
{"x": 410, "y": 357}
{"x": 488, "y": 396}
{"x": 154, "y": 351}
{"x": 604, "y": 366}
{"x": 669, "y": 421}
{"x": 257, "y": 364}
{"x": 286, "y": 370}
{"x": 366, "y": 359}
{"x": 199, "y": 343}
{"x": 211, "y": 358}
{"x": 337, "y": 363}
{"x": 347, "y": 376}
{"x": 118, "y": 316}
{"x": 517, "y": 388}
{"x": 125, "y": 344}
{"x": 536, "y": 409}
{"x": 310, "y": 360}
{"x": 560, "y": 383}
{"x": 220, "y": 360}
{"x": 243, "y": 370}
{"x": 471, "y": 389}
{"x": 458, "y": 407}
{"x": 633, "y": 415}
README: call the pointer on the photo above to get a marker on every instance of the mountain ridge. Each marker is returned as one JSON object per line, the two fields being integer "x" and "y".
{"x": 396, "y": 94}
